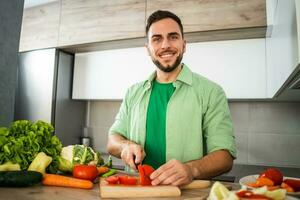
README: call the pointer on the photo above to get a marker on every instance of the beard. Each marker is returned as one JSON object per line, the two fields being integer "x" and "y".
{"x": 168, "y": 68}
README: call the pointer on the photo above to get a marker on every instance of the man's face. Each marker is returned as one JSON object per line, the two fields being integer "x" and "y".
{"x": 165, "y": 44}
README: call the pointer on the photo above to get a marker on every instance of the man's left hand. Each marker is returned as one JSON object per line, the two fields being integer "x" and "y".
{"x": 172, "y": 173}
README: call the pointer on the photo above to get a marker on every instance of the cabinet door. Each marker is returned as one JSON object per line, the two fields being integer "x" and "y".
{"x": 40, "y": 27}
{"x": 282, "y": 47}
{"x": 237, "y": 65}
{"x": 214, "y": 14}
{"x": 100, "y": 20}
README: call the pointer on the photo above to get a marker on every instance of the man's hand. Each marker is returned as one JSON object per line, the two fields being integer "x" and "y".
{"x": 172, "y": 173}
{"x": 132, "y": 154}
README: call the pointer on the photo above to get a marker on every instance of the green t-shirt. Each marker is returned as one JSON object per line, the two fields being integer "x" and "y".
{"x": 198, "y": 119}
{"x": 155, "y": 144}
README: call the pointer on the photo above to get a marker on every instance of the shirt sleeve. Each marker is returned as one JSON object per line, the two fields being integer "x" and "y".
{"x": 121, "y": 120}
{"x": 217, "y": 124}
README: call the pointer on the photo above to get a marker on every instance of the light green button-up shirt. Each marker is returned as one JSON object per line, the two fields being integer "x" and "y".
{"x": 198, "y": 120}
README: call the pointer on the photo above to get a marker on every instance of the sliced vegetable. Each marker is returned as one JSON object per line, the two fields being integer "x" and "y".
{"x": 112, "y": 179}
{"x": 40, "y": 163}
{"x": 64, "y": 181}
{"x": 19, "y": 178}
{"x": 9, "y": 166}
{"x": 144, "y": 179}
{"x": 148, "y": 169}
{"x": 87, "y": 172}
{"x": 127, "y": 180}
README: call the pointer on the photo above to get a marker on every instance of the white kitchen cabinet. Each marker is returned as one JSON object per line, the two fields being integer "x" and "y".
{"x": 237, "y": 65}
{"x": 107, "y": 74}
{"x": 282, "y": 49}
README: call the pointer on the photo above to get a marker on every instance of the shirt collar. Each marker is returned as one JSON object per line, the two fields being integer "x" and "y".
{"x": 185, "y": 76}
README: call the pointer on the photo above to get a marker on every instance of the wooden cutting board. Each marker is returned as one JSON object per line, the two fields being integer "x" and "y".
{"x": 124, "y": 191}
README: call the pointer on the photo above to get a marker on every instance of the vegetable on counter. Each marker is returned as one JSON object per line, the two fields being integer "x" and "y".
{"x": 273, "y": 179}
{"x": 19, "y": 178}
{"x": 109, "y": 173}
{"x": 23, "y": 140}
{"x": 122, "y": 179}
{"x": 40, "y": 163}
{"x": 87, "y": 172}
{"x": 78, "y": 154}
{"x": 64, "y": 181}
{"x": 9, "y": 166}
{"x": 102, "y": 170}
{"x": 145, "y": 171}
{"x": 220, "y": 192}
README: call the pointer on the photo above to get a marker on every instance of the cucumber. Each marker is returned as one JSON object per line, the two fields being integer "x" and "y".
{"x": 19, "y": 178}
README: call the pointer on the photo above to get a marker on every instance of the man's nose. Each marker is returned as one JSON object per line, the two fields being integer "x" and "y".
{"x": 165, "y": 44}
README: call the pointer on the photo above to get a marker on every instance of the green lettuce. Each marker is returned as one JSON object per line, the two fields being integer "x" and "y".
{"x": 23, "y": 140}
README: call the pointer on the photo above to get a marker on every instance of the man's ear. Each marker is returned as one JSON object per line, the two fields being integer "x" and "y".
{"x": 147, "y": 47}
{"x": 184, "y": 46}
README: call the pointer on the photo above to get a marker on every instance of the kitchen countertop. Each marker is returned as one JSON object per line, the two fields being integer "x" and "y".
{"x": 237, "y": 172}
{"x": 40, "y": 192}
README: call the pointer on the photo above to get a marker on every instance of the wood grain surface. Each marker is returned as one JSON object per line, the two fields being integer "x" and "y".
{"x": 124, "y": 191}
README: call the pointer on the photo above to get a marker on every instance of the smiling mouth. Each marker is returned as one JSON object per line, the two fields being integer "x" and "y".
{"x": 166, "y": 54}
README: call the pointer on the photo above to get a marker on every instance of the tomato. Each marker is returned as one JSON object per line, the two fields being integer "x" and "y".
{"x": 127, "y": 180}
{"x": 144, "y": 179}
{"x": 245, "y": 194}
{"x": 274, "y": 174}
{"x": 112, "y": 179}
{"x": 87, "y": 172}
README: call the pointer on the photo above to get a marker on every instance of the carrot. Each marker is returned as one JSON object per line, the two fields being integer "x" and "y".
{"x": 252, "y": 184}
{"x": 102, "y": 170}
{"x": 262, "y": 181}
{"x": 64, "y": 181}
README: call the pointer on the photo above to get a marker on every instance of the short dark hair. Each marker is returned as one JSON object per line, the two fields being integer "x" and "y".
{"x": 162, "y": 14}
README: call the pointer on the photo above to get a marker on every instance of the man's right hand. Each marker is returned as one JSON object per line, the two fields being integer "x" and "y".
{"x": 132, "y": 154}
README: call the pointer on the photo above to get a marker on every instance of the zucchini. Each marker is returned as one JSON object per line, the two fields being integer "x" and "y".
{"x": 19, "y": 178}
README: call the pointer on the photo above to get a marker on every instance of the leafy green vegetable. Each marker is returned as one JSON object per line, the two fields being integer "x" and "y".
{"x": 78, "y": 154}
{"x": 109, "y": 162}
{"x": 65, "y": 165}
{"x": 23, "y": 140}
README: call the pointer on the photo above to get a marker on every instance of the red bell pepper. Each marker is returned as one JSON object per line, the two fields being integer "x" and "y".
{"x": 145, "y": 171}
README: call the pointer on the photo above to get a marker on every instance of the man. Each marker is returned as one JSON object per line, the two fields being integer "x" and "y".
{"x": 176, "y": 121}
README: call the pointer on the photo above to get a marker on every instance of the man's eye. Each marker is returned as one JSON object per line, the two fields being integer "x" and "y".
{"x": 156, "y": 39}
{"x": 174, "y": 37}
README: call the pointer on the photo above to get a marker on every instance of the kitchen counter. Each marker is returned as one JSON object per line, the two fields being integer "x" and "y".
{"x": 40, "y": 192}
